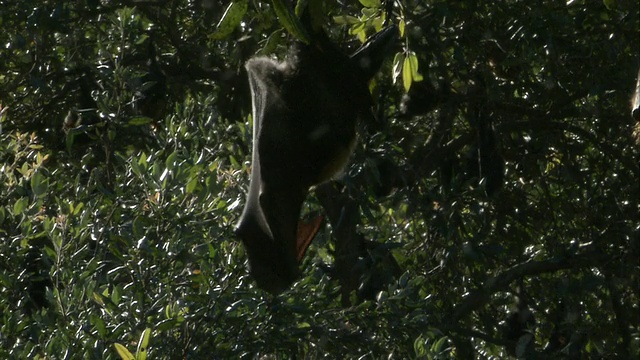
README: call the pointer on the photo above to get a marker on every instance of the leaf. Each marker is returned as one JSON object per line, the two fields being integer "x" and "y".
{"x": 123, "y": 352}
{"x": 99, "y": 325}
{"x": 290, "y": 22}
{"x": 369, "y": 13}
{"x": 78, "y": 208}
{"x": 170, "y": 163}
{"x": 20, "y": 205}
{"x": 192, "y": 185}
{"x": 410, "y": 72}
{"x": 419, "y": 348}
{"x": 167, "y": 324}
{"x": 300, "y": 6}
{"x": 370, "y": 3}
{"x": 230, "y": 19}
{"x": 39, "y": 184}
{"x": 98, "y": 299}
{"x": 357, "y": 29}
{"x": 406, "y": 74}
{"x": 116, "y": 294}
{"x": 440, "y": 345}
{"x": 143, "y": 345}
{"x": 139, "y": 120}
{"x": 135, "y": 168}
{"x": 415, "y": 75}
{"x": 346, "y": 20}
{"x": 397, "y": 65}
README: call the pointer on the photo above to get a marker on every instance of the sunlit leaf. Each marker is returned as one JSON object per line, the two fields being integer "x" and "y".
{"x": 123, "y": 352}
{"x": 230, "y": 19}
{"x": 370, "y": 3}
{"x": 398, "y": 59}
{"x": 143, "y": 344}
{"x": 407, "y": 74}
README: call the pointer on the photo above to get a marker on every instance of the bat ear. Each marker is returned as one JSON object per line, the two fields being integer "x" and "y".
{"x": 307, "y": 230}
{"x": 370, "y": 56}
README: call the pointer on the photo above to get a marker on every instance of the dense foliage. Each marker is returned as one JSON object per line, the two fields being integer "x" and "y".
{"x": 496, "y": 201}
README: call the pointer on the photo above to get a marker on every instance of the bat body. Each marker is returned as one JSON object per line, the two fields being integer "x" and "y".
{"x": 305, "y": 111}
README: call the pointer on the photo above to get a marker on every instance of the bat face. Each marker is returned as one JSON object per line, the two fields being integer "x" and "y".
{"x": 304, "y": 117}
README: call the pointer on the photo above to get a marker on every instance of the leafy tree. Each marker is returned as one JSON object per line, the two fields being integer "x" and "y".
{"x": 492, "y": 211}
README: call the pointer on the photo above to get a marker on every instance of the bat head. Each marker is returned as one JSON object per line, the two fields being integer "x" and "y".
{"x": 274, "y": 256}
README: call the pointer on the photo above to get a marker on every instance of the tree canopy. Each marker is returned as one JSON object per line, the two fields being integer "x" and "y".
{"x": 490, "y": 211}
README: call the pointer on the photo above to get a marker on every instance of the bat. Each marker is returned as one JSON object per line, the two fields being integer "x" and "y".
{"x": 305, "y": 110}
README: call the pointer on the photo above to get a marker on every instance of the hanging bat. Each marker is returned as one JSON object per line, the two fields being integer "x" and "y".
{"x": 305, "y": 111}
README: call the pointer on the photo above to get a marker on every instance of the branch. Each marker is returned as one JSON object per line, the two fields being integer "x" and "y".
{"x": 501, "y": 281}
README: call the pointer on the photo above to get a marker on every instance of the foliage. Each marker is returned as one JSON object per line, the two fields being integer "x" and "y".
{"x": 125, "y": 147}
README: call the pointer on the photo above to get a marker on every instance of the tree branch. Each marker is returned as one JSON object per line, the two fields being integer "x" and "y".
{"x": 501, "y": 281}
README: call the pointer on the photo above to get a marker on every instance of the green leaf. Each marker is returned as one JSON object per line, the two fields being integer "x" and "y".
{"x": 346, "y": 20}
{"x": 98, "y": 299}
{"x": 139, "y": 120}
{"x": 77, "y": 208}
{"x": 357, "y": 29}
{"x": 230, "y": 19}
{"x": 440, "y": 345}
{"x": 123, "y": 352}
{"x": 415, "y": 75}
{"x": 39, "y": 184}
{"x": 116, "y": 294}
{"x": 99, "y": 325}
{"x": 143, "y": 344}
{"x": 410, "y": 72}
{"x": 135, "y": 168}
{"x": 300, "y": 6}
{"x": 192, "y": 184}
{"x": 406, "y": 74}
{"x": 397, "y": 65}
{"x": 370, "y": 3}
{"x": 170, "y": 163}
{"x": 419, "y": 348}
{"x": 20, "y": 205}
{"x": 290, "y": 21}
{"x": 165, "y": 325}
